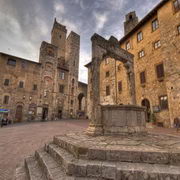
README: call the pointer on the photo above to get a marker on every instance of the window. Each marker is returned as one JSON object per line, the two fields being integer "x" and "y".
{"x": 21, "y": 84}
{"x": 119, "y": 67}
{"x": 11, "y": 62}
{"x": 6, "y": 100}
{"x": 160, "y": 71}
{"x": 107, "y": 74}
{"x": 128, "y": 45}
{"x": 106, "y": 61}
{"x": 163, "y": 102}
{"x": 176, "y": 4}
{"x": 157, "y": 44}
{"x": 139, "y": 36}
{"x": 178, "y": 28}
{"x": 155, "y": 25}
{"x": 35, "y": 87}
{"x": 62, "y": 75}
{"x": 61, "y": 88}
{"x": 107, "y": 90}
{"x": 120, "y": 86}
{"x": 141, "y": 54}
{"x": 6, "y": 82}
{"x": 143, "y": 77}
{"x": 72, "y": 102}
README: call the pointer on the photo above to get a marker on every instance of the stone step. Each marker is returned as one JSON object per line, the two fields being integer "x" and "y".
{"x": 143, "y": 154}
{"x": 52, "y": 169}
{"x": 34, "y": 171}
{"x": 111, "y": 170}
{"x": 20, "y": 173}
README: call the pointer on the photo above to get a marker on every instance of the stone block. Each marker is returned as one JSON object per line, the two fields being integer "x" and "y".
{"x": 99, "y": 154}
{"x": 109, "y": 170}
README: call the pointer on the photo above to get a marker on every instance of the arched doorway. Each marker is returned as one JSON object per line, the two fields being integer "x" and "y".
{"x": 19, "y": 113}
{"x": 146, "y": 103}
{"x": 80, "y": 97}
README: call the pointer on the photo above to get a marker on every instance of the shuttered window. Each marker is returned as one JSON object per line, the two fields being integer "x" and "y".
{"x": 160, "y": 71}
{"x": 120, "y": 86}
{"x": 107, "y": 90}
{"x": 143, "y": 77}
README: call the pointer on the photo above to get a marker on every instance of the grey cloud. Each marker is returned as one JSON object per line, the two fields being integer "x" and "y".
{"x": 25, "y": 23}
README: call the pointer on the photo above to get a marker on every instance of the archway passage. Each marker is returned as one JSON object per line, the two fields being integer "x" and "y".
{"x": 19, "y": 113}
{"x": 146, "y": 103}
{"x": 80, "y": 97}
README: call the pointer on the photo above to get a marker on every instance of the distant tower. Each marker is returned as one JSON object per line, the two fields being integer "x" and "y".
{"x": 58, "y": 38}
{"x": 131, "y": 22}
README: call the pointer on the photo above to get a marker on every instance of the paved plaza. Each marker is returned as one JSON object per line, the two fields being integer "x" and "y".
{"x": 21, "y": 140}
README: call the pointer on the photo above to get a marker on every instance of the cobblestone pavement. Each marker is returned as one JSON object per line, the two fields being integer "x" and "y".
{"x": 21, "y": 140}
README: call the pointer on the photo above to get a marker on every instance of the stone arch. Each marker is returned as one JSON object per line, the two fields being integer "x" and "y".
{"x": 80, "y": 98}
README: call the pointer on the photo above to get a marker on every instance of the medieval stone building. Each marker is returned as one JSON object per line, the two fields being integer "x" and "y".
{"x": 47, "y": 89}
{"x": 154, "y": 42}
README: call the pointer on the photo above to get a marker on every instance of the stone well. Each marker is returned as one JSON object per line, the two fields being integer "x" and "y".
{"x": 118, "y": 119}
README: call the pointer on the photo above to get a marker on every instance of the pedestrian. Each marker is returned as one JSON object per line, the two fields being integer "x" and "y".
{"x": 177, "y": 123}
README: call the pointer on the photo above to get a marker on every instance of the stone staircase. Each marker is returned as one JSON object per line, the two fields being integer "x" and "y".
{"x": 67, "y": 158}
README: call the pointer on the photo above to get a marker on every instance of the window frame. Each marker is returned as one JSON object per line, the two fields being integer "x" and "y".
{"x": 178, "y": 6}
{"x": 142, "y": 78}
{"x": 161, "y": 105}
{"x": 6, "y": 101}
{"x": 140, "y": 55}
{"x": 161, "y": 78}
{"x": 108, "y": 92}
{"x": 120, "y": 87}
{"x": 11, "y": 60}
{"x": 158, "y": 43}
{"x": 21, "y": 83}
{"x": 141, "y": 37}
{"x": 5, "y": 82}
{"x": 61, "y": 88}
{"x": 156, "y": 23}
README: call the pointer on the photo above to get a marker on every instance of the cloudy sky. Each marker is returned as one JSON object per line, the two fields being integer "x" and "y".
{"x": 24, "y": 24}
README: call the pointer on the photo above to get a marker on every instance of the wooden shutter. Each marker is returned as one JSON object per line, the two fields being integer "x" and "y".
{"x": 143, "y": 77}
{"x": 160, "y": 71}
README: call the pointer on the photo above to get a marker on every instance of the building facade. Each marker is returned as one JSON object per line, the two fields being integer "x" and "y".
{"x": 44, "y": 90}
{"x": 154, "y": 42}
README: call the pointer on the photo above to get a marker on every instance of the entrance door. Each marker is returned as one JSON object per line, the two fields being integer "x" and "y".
{"x": 146, "y": 103}
{"x": 19, "y": 111}
{"x": 60, "y": 114}
{"x": 45, "y": 114}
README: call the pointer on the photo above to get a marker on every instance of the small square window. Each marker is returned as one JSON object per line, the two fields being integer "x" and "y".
{"x": 128, "y": 45}
{"x": 107, "y": 90}
{"x": 155, "y": 24}
{"x": 141, "y": 54}
{"x": 11, "y": 62}
{"x": 21, "y": 84}
{"x": 6, "y": 82}
{"x": 6, "y": 100}
{"x": 140, "y": 36}
{"x": 157, "y": 44}
{"x": 107, "y": 74}
{"x": 163, "y": 102}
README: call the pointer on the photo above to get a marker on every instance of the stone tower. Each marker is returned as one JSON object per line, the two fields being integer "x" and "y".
{"x": 72, "y": 58}
{"x": 131, "y": 22}
{"x": 58, "y": 38}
